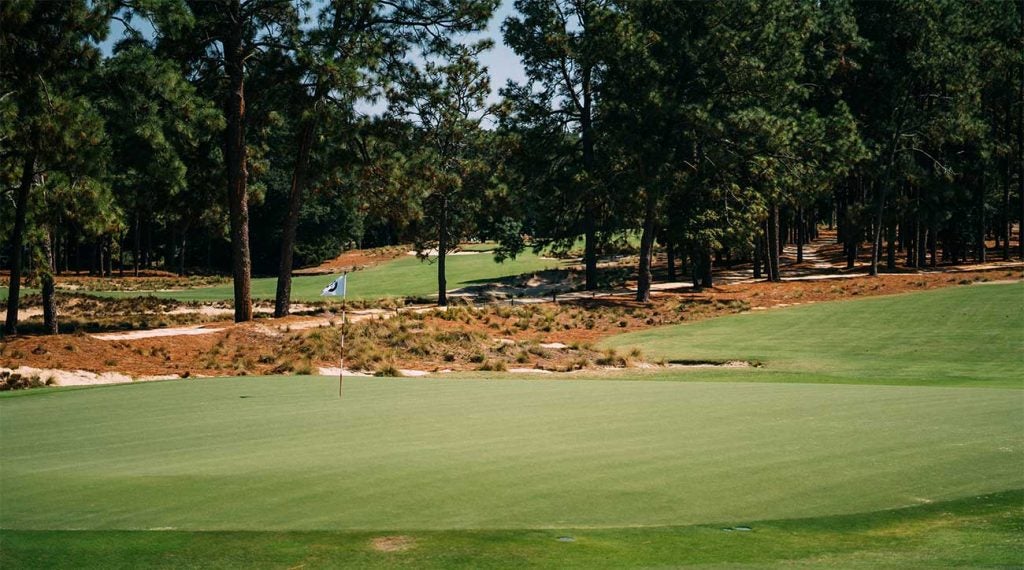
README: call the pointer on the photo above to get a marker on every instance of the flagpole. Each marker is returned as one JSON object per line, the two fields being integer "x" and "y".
{"x": 341, "y": 369}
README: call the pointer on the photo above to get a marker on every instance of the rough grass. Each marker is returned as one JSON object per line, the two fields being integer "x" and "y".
{"x": 972, "y": 336}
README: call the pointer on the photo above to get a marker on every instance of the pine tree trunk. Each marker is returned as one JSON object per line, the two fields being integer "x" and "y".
{"x": 136, "y": 246}
{"x": 442, "y": 251}
{"x": 921, "y": 243}
{"x": 799, "y": 235}
{"x": 980, "y": 253}
{"x": 46, "y": 279}
{"x": 876, "y": 232}
{"x": 908, "y": 242}
{"x": 890, "y": 247}
{"x": 706, "y": 278}
{"x": 1005, "y": 229}
{"x": 643, "y": 281}
{"x": 282, "y": 301}
{"x": 670, "y": 254}
{"x": 109, "y": 246}
{"x": 18, "y": 242}
{"x": 931, "y": 246}
{"x": 147, "y": 254}
{"x": 590, "y": 209}
{"x": 772, "y": 239}
{"x": 758, "y": 245}
{"x": 1020, "y": 147}
{"x": 235, "y": 155}
{"x": 184, "y": 247}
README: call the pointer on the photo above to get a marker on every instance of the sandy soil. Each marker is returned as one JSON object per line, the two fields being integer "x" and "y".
{"x": 83, "y": 377}
{"x": 155, "y": 333}
{"x": 354, "y": 259}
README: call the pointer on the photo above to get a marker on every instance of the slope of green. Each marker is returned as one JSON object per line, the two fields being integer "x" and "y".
{"x": 974, "y": 532}
{"x": 957, "y": 336}
{"x": 403, "y": 277}
{"x": 286, "y": 454}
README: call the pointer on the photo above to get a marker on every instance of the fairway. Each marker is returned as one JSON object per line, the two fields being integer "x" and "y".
{"x": 286, "y": 454}
{"x": 970, "y": 336}
{"x": 406, "y": 276}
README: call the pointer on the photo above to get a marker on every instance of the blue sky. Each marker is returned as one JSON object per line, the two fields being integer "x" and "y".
{"x": 501, "y": 61}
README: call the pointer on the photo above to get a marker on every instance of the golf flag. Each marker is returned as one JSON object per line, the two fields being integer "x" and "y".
{"x": 336, "y": 288}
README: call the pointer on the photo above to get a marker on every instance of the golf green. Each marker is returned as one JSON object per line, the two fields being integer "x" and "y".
{"x": 284, "y": 453}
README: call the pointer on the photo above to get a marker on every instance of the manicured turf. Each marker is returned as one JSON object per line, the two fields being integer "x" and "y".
{"x": 971, "y": 336}
{"x": 490, "y": 472}
{"x": 974, "y": 532}
{"x": 406, "y": 276}
{"x": 285, "y": 454}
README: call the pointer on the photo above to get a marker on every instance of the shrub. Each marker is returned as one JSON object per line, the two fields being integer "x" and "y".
{"x": 496, "y": 366}
{"x": 15, "y": 381}
{"x": 388, "y": 370}
{"x": 610, "y": 358}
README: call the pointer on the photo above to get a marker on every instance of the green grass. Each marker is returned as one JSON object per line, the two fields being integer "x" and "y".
{"x": 971, "y": 336}
{"x": 404, "y": 277}
{"x": 277, "y": 472}
{"x": 285, "y": 454}
{"x": 980, "y": 531}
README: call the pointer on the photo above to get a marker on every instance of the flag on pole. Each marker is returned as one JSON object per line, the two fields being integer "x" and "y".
{"x": 336, "y": 288}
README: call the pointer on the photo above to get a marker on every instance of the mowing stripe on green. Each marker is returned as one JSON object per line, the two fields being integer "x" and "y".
{"x": 286, "y": 454}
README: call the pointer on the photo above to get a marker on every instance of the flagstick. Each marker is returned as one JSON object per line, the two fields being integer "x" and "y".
{"x": 341, "y": 370}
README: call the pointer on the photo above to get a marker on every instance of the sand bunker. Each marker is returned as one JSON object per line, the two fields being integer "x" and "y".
{"x": 83, "y": 377}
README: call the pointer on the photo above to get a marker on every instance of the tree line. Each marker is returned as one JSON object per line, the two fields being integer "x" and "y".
{"x": 232, "y": 135}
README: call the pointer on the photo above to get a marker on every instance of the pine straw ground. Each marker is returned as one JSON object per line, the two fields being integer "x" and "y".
{"x": 463, "y": 337}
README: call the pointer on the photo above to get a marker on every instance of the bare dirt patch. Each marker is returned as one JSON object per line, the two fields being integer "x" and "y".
{"x": 355, "y": 259}
{"x": 393, "y": 543}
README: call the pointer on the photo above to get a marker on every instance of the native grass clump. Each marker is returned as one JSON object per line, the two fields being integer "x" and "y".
{"x": 10, "y": 380}
{"x": 463, "y": 337}
{"x": 89, "y": 313}
{"x": 553, "y": 337}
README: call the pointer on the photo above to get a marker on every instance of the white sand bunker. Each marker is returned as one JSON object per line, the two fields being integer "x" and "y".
{"x": 56, "y": 377}
{"x": 712, "y": 364}
{"x": 151, "y": 333}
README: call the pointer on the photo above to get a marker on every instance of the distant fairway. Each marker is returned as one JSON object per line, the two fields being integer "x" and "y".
{"x": 406, "y": 276}
{"x": 972, "y": 336}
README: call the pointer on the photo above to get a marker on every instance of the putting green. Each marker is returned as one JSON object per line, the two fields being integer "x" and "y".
{"x": 286, "y": 454}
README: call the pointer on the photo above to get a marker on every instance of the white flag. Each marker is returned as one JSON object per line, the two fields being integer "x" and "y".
{"x": 336, "y": 288}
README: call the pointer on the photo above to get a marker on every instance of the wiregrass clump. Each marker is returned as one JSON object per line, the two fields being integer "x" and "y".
{"x": 10, "y": 380}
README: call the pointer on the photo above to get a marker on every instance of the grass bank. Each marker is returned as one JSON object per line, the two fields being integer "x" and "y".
{"x": 971, "y": 335}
